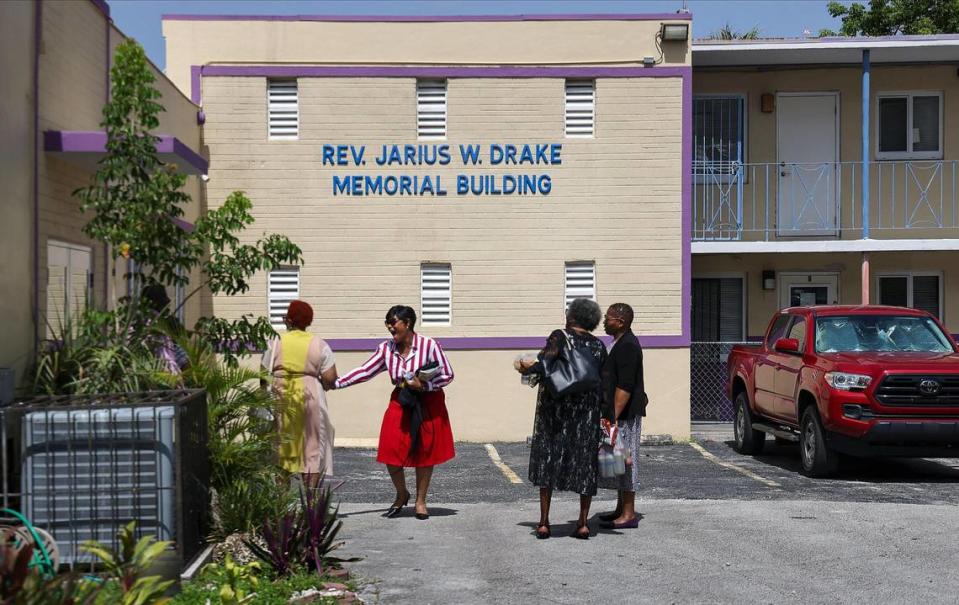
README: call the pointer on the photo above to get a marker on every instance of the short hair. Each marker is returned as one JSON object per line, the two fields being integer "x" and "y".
{"x": 402, "y": 313}
{"x": 624, "y": 311}
{"x": 156, "y": 296}
{"x": 584, "y": 313}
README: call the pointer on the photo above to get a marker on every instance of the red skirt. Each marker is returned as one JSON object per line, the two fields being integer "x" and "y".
{"x": 436, "y": 436}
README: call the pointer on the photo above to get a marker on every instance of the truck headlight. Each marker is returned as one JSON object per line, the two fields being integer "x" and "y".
{"x": 847, "y": 382}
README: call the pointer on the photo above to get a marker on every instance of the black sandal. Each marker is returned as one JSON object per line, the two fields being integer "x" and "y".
{"x": 578, "y": 534}
{"x": 542, "y": 535}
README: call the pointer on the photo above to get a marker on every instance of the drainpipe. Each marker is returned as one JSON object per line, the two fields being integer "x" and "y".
{"x": 106, "y": 247}
{"x": 865, "y": 172}
{"x": 37, "y": 33}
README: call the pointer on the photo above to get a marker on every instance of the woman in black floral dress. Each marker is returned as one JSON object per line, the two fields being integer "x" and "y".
{"x": 566, "y": 431}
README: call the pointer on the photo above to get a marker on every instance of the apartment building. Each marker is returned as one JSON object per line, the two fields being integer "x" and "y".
{"x": 825, "y": 171}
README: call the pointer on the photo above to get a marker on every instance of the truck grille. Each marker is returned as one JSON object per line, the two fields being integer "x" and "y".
{"x": 919, "y": 390}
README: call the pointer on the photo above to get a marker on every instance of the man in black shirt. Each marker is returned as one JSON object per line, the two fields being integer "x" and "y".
{"x": 625, "y": 406}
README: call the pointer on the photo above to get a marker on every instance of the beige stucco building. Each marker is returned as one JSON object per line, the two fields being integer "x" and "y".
{"x": 783, "y": 145}
{"x": 491, "y": 249}
{"x": 486, "y": 170}
{"x": 55, "y": 62}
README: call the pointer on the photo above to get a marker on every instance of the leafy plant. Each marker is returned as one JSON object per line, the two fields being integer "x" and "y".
{"x": 99, "y": 352}
{"x": 283, "y": 536}
{"x": 127, "y": 566}
{"x": 236, "y": 581}
{"x": 248, "y": 484}
{"x": 135, "y": 201}
{"x": 726, "y": 32}
{"x": 321, "y": 523}
{"x": 21, "y": 585}
{"x": 269, "y": 591}
{"x": 893, "y": 17}
{"x": 303, "y": 536}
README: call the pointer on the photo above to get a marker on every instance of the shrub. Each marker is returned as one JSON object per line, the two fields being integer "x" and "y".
{"x": 301, "y": 537}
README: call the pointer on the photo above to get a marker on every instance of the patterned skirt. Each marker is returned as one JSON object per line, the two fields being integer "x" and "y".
{"x": 629, "y": 434}
{"x": 563, "y": 451}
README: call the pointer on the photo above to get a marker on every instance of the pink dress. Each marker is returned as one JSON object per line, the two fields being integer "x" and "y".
{"x": 295, "y": 360}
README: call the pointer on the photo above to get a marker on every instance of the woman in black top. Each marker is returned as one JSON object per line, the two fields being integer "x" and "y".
{"x": 566, "y": 431}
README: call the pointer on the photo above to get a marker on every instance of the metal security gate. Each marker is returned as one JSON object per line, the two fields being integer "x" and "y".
{"x": 708, "y": 375}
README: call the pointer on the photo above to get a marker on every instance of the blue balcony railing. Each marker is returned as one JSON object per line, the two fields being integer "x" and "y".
{"x": 769, "y": 202}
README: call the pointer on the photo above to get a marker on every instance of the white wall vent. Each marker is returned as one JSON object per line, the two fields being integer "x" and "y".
{"x": 580, "y": 108}
{"x": 436, "y": 294}
{"x": 283, "y": 109}
{"x": 431, "y": 109}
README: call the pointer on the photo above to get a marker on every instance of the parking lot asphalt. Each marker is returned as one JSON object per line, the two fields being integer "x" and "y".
{"x": 677, "y": 471}
{"x": 716, "y": 527}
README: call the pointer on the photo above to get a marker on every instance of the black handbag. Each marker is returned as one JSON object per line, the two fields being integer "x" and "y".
{"x": 574, "y": 370}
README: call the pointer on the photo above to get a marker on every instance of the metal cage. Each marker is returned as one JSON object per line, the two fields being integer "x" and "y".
{"x": 82, "y": 467}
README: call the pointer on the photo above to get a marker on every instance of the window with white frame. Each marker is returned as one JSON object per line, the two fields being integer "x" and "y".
{"x": 909, "y": 125}
{"x": 580, "y": 281}
{"x": 915, "y": 290}
{"x": 283, "y": 286}
{"x": 283, "y": 109}
{"x": 431, "y": 109}
{"x": 436, "y": 294}
{"x": 580, "y": 108}
{"x": 719, "y": 135}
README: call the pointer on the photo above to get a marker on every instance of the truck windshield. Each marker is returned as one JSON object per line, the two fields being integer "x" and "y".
{"x": 844, "y": 333}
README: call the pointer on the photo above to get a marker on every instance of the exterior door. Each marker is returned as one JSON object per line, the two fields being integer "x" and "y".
{"x": 69, "y": 287}
{"x": 766, "y": 367}
{"x": 787, "y": 372}
{"x": 808, "y": 154}
{"x": 808, "y": 289}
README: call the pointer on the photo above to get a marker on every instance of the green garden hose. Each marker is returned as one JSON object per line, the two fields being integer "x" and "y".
{"x": 41, "y": 558}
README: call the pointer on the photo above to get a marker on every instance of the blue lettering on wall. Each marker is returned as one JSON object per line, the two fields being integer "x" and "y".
{"x": 498, "y": 154}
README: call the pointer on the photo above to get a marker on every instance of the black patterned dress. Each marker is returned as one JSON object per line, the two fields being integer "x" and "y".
{"x": 566, "y": 431}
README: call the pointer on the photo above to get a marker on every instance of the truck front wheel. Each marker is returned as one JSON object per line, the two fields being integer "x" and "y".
{"x": 817, "y": 459}
{"x": 748, "y": 441}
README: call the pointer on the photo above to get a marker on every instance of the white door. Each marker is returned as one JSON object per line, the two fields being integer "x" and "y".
{"x": 808, "y": 152}
{"x": 808, "y": 289}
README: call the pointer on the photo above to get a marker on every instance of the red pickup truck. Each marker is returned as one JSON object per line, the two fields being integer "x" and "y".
{"x": 846, "y": 380}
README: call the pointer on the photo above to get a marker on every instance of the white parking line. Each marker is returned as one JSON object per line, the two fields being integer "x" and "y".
{"x": 494, "y": 456}
{"x": 731, "y": 466}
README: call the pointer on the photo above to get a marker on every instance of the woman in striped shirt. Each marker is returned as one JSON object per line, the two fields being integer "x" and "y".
{"x": 401, "y": 357}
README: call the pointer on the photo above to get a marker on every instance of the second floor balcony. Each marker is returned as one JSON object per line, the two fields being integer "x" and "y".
{"x": 915, "y": 199}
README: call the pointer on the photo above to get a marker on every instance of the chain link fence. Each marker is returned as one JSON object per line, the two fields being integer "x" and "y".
{"x": 708, "y": 375}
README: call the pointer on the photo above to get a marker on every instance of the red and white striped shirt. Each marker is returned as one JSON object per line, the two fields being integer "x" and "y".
{"x": 423, "y": 351}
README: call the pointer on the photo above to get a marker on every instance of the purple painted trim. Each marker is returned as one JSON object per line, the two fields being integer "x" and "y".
{"x": 71, "y": 141}
{"x": 486, "y": 343}
{"x": 102, "y": 6}
{"x": 376, "y": 71}
{"x": 181, "y": 149}
{"x": 195, "y": 71}
{"x": 438, "y": 18}
{"x": 185, "y": 225}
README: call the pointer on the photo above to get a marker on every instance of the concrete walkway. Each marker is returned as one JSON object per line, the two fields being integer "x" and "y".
{"x": 710, "y": 534}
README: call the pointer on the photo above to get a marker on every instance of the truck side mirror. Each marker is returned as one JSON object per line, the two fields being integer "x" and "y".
{"x": 787, "y": 345}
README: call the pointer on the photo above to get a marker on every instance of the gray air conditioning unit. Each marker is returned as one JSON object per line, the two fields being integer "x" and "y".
{"x": 90, "y": 465}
